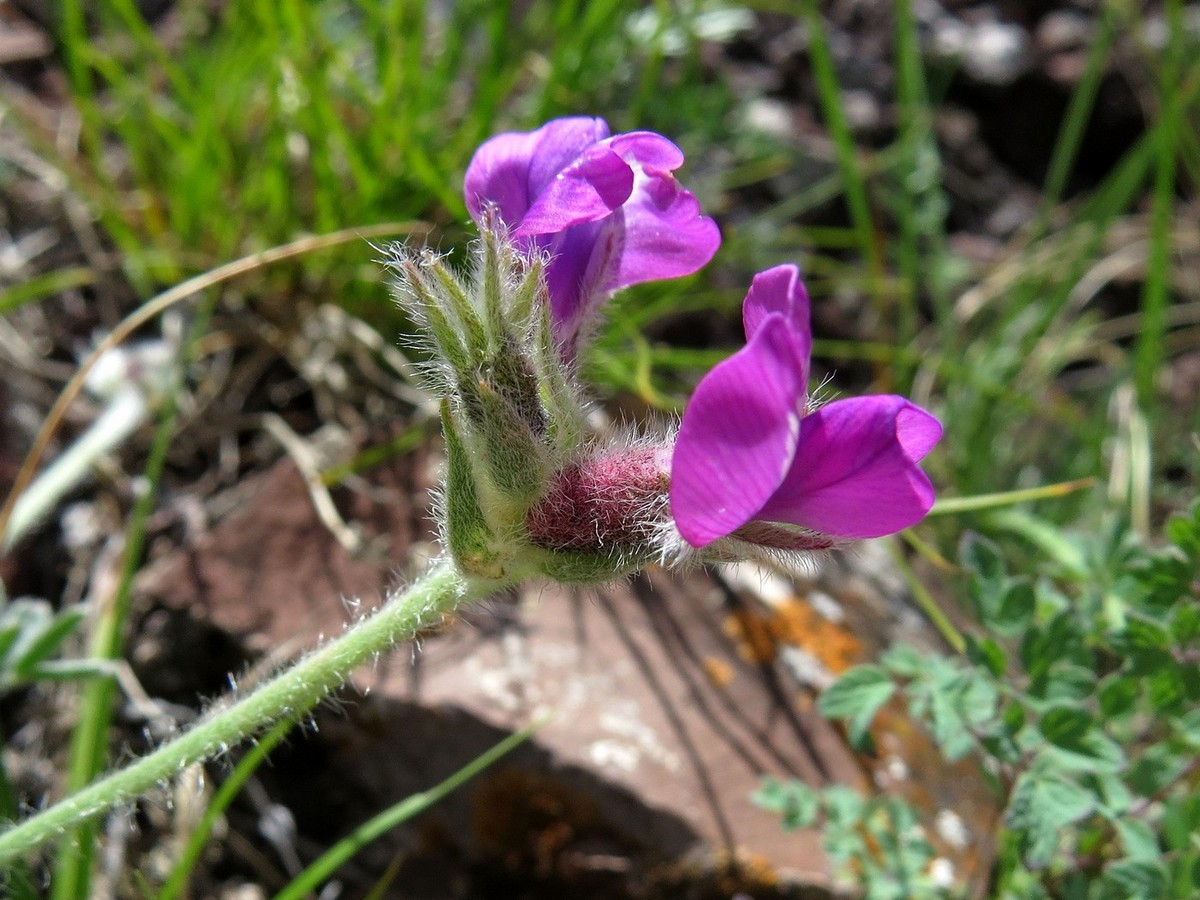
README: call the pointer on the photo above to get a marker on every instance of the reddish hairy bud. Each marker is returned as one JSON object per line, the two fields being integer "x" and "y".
{"x": 612, "y": 503}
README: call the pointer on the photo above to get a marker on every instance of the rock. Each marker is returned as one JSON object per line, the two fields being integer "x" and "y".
{"x": 1062, "y": 39}
{"x": 990, "y": 52}
{"x": 670, "y": 698}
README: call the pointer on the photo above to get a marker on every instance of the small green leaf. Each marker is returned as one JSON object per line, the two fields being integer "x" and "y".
{"x": 1188, "y": 727}
{"x": 1041, "y": 648}
{"x": 1112, "y": 791}
{"x": 1189, "y": 876}
{"x": 1002, "y": 743}
{"x": 1142, "y": 633}
{"x": 47, "y": 642}
{"x": 1015, "y": 610}
{"x": 977, "y": 701}
{"x": 9, "y": 632}
{"x": 1137, "y": 878}
{"x": 1138, "y": 839}
{"x": 1092, "y": 752}
{"x": 904, "y": 660}
{"x": 793, "y": 801}
{"x": 987, "y": 578}
{"x": 981, "y": 557}
{"x": 1118, "y": 695}
{"x": 1013, "y": 718}
{"x": 1153, "y": 770}
{"x": 1185, "y": 623}
{"x": 1069, "y": 683}
{"x": 987, "y": 654}
{"x": 844, "y": 806}
{"x": 1041, "y": 806}
{"x": 1167, "y": 687}
{"x": 1181, "y": 820}
{"x": 947, "y": 727}
{"x": 1184, "y": 532}
{"x": 856, "y": 696}
{"x": 1065, "y": 726}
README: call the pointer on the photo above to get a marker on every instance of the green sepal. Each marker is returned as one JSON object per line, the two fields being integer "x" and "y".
{"x": 531, "y": 289}
{"x": 507, "y": 448}
{"x": 468, "y": 534}
{"x": 561, "y": 402}
{"x": 495, "y": 265}
{"x": 514, "y": 379}
{"x": 571, "y": 567}
{"x": 456, "y": 298}
{"x": 431, "y": 308}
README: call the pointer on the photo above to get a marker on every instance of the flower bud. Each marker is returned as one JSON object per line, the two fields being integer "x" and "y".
{"x": 514, "y": 424}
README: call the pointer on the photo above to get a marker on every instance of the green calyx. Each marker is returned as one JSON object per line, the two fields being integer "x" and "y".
{"x": 511, "y": 411}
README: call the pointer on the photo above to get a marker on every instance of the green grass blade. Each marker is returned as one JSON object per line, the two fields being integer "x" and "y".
{"x": 947, "y": 506}
{"x": 1149, "y": 350}
{"x": 1079, "y": 109}
{"x": 42, "y": 286}
{"x": 17, "y": 882}
{"x": 177, "y": 882}
{"x": 835, "y": 119}
{"x": 337, "y": 855}
{"x": 89, "y": 741}
{"x": 920, "y": 200}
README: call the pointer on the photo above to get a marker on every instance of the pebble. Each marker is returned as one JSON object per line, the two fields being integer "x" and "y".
{"x": 995, "y": 53}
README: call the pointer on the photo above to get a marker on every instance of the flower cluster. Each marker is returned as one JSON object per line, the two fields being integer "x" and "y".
{"x": 604, "y": 209}
{"x": 569, "y": 214}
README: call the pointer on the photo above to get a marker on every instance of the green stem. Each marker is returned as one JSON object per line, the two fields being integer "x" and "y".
{"x": 929, "y": 606}
{"x": 832, "y": 108}
{"x": 290, "y": 694}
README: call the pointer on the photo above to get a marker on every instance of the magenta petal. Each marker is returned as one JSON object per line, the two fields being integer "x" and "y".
{"x": 511, "y": 170}
{"x": 662, "y": 237}
{"x": 606, "y": 211}
{"x": 579, "y": 258}
{"x": 737, "y": 437}
{"x": 601, "y": 179}
{"x": 662, "y": 233}
{"x": 651, "y": 151}
{"x": 588, "y": 189}
{"x": 777, "y": 290}
{"x": 780, "y": 290}
{"x": 657, "y": 232}
{"x": 855, "y": 472}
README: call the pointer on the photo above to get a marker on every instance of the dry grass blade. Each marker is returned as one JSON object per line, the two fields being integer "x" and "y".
{"x": 166, "y": 300}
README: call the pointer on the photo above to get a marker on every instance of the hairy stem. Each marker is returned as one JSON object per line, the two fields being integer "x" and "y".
{"x": 290, "y": 694}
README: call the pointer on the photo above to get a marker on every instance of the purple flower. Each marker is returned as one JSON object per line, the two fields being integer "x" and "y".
{"x": 607, "y": 210}
{"x": 751, "y": 451}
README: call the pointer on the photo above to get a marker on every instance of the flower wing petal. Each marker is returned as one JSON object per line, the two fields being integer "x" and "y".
{"x": 738, "y": 436}
{"x": 511, "y": 170}
{"x": 589, "y": 188}
{"x": 655, "y": 229}
{"x": 855, "y": 472}
{"x": 663, "y": 233}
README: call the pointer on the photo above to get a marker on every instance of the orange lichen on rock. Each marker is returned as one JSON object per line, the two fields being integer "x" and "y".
{"x": 718, "y": 671}
{"x": 755, "y": 639}
{"x": 792, "y": 623}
